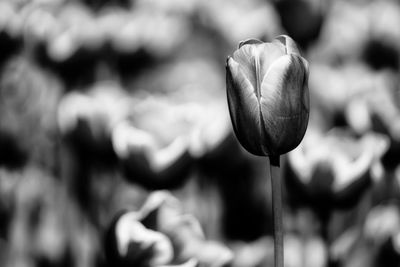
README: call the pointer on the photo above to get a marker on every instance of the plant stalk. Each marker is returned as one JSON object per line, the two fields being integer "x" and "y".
{"x": 277, "y": 210}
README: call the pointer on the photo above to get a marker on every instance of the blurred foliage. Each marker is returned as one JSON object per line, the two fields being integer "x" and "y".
{"x": 103, "y": 103}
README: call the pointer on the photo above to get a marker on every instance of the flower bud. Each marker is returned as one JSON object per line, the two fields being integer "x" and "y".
{"x": 268, "y": 95}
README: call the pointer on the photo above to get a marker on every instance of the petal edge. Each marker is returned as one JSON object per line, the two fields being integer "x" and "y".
{"x": 289, "y": 43}
{"x": 249, "y": 41}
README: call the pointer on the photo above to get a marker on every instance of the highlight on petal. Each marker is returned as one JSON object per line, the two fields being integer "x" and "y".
{"x": 284, "y": 102}
{"x": 249, "y": 41}
{"x": 255, "y": 60}
{"x": 284, "y": 80}
{"x": 290, "y": 45}
{"x": 268, "y": 53}
{"x": 243, "y": 108}
{"x": 246, "y": 57}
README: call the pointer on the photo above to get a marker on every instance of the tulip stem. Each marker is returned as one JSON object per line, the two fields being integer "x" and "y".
{"x": 277, "y": 210}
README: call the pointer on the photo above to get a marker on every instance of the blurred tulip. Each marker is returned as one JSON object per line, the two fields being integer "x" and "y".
{"x": 382, "y": 222}
{"x": 382, "y": 231}
{"x": 92, "y": 115}
{"x": 40, "y": 25}
{"x": 29, "y": 130}
{"x": 7, "y": 12}
{"x": 38, "y": 226}
{"x": 256, "y": 253}
{"x": 163, "y": 135}
{"x": 137, "y": 245}
{"x": 62, "y": 47}
{"x": 334, "y": 167}
{"x": 305, "y": 252}
{"x": 241, "y": 19}
{"x": 382, "y": 50}
{"x": 332, "y": 171}
{"x": 268, "y": 95}
{"x": 302, "y": 19}
{"x": 344, "y": 33}
{"x": 145, "y": 162}
{"x": 161, "y": 233}
{"x": 74, "y": 31}
{"x": 343, "y": 244}
{"x": 185, "y": 232}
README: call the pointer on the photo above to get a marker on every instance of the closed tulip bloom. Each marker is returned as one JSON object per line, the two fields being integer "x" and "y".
{"x": 268, "y": 95}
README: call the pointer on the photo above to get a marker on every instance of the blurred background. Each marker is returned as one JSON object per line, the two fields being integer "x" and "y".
{"x": 116, "y": 146}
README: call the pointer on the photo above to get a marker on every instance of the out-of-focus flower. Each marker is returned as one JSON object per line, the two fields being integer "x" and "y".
{"x": 110, "y": 19}
{"x": 344, "y": 33}
{"x": 355, "y": 95}
{"x": 302, "y": 19}
{"x": 383, "y": 49}
{"x": 382, "y": 222}
{"x": 175, "y": 7}
{"x": 144, "y": 161}
{"x": 176, "y": 117}
{"x": 240, "y": 19}
{"x": 138, "y": 245}
{"x": 39, "y": 25}
{"x": 7, "y": 13}
{"x": 382, "y": 231}
{"x": 211, "y": 131}
{"x": 374, "y": 101}
{"x": 361, "y": 98}
{"x": 28, "y": 102}
{"x": 255, "y": 253}
{"x": 162, "y": 136}
{"x": 300, "y": 251}
{"x": 343, "y": 244}
{"x": 38, "y": 228}
{"x": 91, "y": 116}
{"x": 157, "y": 33}
{"x": 333, "y": 169}
{"x": 305, "y": 252}
{"x": 77, "y": 29}
{"x": 268, "y": 95}
{"x": 160, "y": 233}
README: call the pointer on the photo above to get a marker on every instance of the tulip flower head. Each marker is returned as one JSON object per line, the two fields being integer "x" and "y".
{"x": 268, "y": 98}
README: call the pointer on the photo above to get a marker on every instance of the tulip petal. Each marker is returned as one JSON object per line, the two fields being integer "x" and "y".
{"x": 284, "y": 82}
{"x": 246, "y": 58}
{"x": 285, "y": 102}
{"x": 243, "y": 107}
{"x": 290, "y": 45}
{"x": 255, "y": 60}
{"x": 268, "y": 53}
{"x": 249, "y": 41}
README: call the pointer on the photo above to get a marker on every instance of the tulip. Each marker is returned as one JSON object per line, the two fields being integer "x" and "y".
{"x": 268, "y": 95}
{"x": 268, "y": 102}
{"x": 129, "y": 243}
{"x": 333, "y": 170}
{"x": 161, "y": 233}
